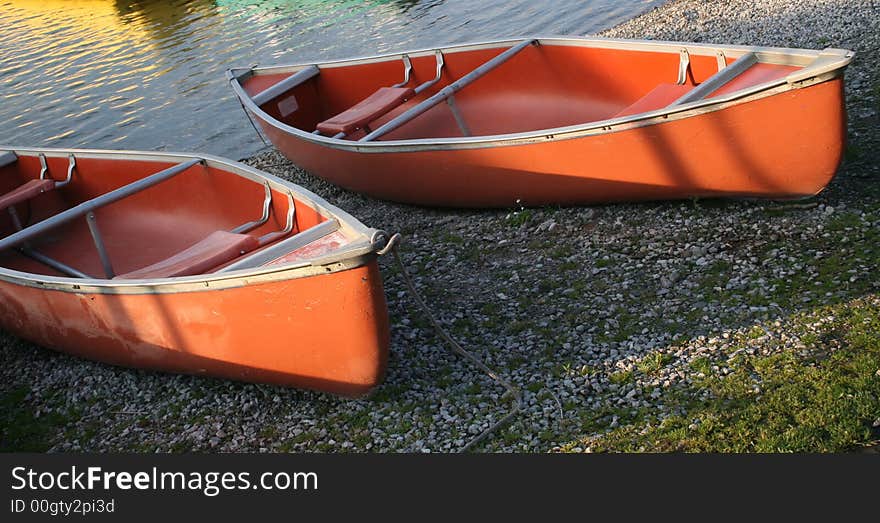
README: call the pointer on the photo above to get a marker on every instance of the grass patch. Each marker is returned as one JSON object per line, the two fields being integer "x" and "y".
{"x": 21, "y": 430}
{"x": 851, "y": 247}
{"x": 621, "y": 377}
{"x": 561, "y": 251}
{"x": 785, "y": 402}
{"x": 519, "y": 218}
{"x": 653, "y": 362}
{"x": 701, "y": 364}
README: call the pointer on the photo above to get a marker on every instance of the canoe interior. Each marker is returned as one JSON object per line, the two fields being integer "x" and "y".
{"x": 143, "y": 228}
{"x": 542, "y": 87}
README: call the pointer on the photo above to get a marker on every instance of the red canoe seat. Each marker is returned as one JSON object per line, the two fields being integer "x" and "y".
{"x": 658, "y": 98}
{"x": 367, "y": 110}
{"x": 25, "y": 192}
{"x": 217, "y": 249}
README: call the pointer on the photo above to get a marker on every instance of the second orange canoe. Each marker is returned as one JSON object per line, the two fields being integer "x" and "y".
{"x": 560, "y": 121}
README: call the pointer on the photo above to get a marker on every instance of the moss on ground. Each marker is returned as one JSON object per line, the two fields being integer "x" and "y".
{"x": 22, "y": 429}
{"x": 821, "y": 398}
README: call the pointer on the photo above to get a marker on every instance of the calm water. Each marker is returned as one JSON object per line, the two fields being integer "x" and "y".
{"x": 149, "y": 74}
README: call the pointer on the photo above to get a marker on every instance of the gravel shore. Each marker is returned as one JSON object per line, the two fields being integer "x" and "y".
{"x": 597, "y": 313}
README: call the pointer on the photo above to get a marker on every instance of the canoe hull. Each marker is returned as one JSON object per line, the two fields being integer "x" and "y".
{"x": 327, "y": 332}
{"x": 783, "y": 145}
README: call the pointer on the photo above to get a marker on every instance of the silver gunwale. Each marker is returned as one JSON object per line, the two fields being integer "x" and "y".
{"x": 818, "y": 66}
{"x": 364, "y": 241}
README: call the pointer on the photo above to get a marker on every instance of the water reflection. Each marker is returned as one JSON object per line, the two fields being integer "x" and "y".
{"x": 163, "y": 19}
{"x": 148, "y": 74}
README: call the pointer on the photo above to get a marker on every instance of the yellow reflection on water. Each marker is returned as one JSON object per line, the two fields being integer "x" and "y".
{"x": 63, "y": 25}
{"x": 139, "y": 20}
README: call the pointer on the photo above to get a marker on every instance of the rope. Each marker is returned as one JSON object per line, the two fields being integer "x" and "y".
{"x": 392, "y": 246}
{"x": 253, "y": 124}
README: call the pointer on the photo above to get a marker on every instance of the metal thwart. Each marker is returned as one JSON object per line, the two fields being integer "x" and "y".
{"x": 719, "y": 79}
{"x": 300, "y": 239}
{"x": 459, "y": 119}
{"x": 53, "y": 263}
{"x": 285, "y": 85}
{"x": 447, "y": 91}
{"x": 35, "y": 255}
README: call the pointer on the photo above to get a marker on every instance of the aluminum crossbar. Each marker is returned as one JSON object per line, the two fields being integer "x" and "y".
{"x": 447, "y": 91}
{"x": 276, "y": 90}
{"x": 719, "y": 79}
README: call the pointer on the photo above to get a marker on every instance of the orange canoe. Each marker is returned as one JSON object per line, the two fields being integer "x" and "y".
{"x": 560, "y": 121}
{"x": 191, "y": 264}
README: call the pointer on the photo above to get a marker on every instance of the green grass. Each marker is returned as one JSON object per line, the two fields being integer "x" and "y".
{"x": 21, "y": 430}
{"x": 701, "y": 364}
{"x": 831, "y": 267}
{"x": 818, "y": 400}
{"x": 620, "y": 377}
{"x": 653, "y": 362}
{"x": 519, "y": 218}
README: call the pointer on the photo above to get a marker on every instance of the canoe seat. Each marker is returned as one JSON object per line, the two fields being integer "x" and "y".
{"x": 658, "y": 98}
{"x": 218, "y": 248}
{"x": 367, "y": 110}
{"x": 25, "y": 192}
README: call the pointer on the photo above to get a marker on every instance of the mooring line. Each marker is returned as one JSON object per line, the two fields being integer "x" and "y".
{"x": 392, "y": 246}
{"x": 253, "y": 123}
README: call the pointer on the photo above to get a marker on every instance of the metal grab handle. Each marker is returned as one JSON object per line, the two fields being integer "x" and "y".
{"x": 447, "y": 91}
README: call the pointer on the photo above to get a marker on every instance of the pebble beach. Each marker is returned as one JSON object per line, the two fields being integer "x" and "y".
{"x": 603, "y": 317}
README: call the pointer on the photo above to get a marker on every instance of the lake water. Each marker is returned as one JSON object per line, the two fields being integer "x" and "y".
{"x": 150, "y": 74}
